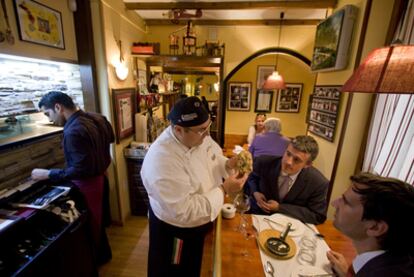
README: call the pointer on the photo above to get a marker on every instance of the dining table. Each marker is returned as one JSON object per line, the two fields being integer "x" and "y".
{"x": 225, "y": 248}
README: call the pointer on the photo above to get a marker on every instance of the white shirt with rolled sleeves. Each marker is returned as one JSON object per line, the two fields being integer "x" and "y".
{"x": 183, "y": 184}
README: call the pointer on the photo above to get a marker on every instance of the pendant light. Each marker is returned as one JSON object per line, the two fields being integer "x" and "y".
{"x": 275, "y": 81}
{"x": 385, "y": 70}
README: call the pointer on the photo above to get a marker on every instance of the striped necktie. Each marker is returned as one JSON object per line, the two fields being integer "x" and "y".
{"x": 283, "y": 186}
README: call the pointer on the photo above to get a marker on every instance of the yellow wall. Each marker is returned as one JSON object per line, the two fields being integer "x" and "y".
{"x": 357, "y": 121}
{"x": 28, "y": 49}
{"x": 294, "y": 71}
{"x": 242, "y": 41}
{"x": 111, "y": 23}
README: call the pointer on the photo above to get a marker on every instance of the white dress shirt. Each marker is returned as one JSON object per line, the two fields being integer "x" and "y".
{"x": 363, "y": 258}
{"x": 182, "y": 183}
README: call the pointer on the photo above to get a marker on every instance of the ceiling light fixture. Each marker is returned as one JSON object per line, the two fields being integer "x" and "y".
{"x": 385, "y": 70}
{"x": 275, "y": 81}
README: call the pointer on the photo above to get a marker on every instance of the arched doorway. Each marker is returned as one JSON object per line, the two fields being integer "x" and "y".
{"x": 273, "y": 50}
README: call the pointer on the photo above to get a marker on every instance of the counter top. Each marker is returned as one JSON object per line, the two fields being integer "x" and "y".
{"x": 23, "y": 132}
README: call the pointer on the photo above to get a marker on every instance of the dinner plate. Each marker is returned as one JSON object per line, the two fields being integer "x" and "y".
{"x": 297, "y": 228}
{"x": 307, "y": 270}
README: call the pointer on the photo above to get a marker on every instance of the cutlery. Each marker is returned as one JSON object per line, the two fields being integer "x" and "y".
{"x": 319, "y": 235}
{"x": 280, "y": 224}
{"x": 269, "y": 268}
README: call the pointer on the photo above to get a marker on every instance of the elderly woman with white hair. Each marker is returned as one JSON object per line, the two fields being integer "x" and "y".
{"x": 271, "y": 142}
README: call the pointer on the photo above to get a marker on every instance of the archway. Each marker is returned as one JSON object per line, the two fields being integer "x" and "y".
{"x": 271, "y": 50}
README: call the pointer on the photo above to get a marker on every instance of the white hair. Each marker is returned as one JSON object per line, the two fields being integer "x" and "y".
{"x": 273, "y": 124}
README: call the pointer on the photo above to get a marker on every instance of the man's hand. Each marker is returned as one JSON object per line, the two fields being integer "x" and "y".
{"x": 233, "y": 184}
{"x": 231, "y": 163}
{"x": 338, "y": 263}
{"x": 273, "y": 206}
{"x": 261, "y": 201}
{"x": 39, "y": 174}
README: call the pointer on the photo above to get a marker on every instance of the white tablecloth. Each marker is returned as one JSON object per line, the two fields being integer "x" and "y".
{"x": 284, "y": 268}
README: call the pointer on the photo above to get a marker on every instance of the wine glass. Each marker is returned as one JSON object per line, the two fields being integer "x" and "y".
{"x": 242, "y": 204}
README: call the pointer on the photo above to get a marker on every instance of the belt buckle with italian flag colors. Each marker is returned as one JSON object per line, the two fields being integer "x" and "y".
{"x": 177, "y": 250}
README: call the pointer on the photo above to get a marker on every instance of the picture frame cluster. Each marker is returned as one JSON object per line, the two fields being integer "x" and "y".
{"x": 323, "y": 111}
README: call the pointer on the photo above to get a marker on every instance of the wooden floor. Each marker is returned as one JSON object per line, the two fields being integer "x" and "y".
{"x": 129, "y": 245}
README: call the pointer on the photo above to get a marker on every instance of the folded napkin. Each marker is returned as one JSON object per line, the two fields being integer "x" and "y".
{"x": 286, "y": 267}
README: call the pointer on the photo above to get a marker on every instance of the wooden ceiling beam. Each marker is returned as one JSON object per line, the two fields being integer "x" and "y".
{"x": 263, "y": 22}
{"x": 237, "y": 5}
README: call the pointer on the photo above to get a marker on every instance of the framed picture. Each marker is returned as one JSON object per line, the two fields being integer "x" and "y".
{"x": 263, "y": 72}
{"x": 142, "y": 81}
{"x": 124, "y": 112}
{"x": 239, "y": 96}
{"x": 332, "y": 40}
{"x": 323, "y": 111}
{"x": 39, "y": 24}
{"x": 288, "y": 99}
{"x": 264, "y": 100}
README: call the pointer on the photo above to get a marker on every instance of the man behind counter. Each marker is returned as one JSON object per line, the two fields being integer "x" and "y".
{"x": 183, "y": 174}
{"x": 290, "y": 184}
{"x": 86, "y": 140}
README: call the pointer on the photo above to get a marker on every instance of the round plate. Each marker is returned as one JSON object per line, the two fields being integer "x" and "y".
{"x": 297, "y": 226}
{"x": 266, "y": 234}
{"x": 307, "y": 270}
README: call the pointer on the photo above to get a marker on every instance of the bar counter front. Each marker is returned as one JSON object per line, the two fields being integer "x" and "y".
{"x": 225, "y": 249}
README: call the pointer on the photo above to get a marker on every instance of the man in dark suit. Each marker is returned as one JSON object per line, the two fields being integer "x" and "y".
{"x": 376, "y": 213}
{"x": 290, "y": 184}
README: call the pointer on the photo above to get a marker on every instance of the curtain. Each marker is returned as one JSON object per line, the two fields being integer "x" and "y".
{"x": 390, "y": 144}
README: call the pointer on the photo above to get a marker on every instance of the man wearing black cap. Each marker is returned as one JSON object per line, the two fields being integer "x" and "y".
{"x": 183, "y": 174}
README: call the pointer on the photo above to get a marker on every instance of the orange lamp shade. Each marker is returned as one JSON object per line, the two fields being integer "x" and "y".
{"x": 385, "y": 70}
{"x": 274, "y": 81}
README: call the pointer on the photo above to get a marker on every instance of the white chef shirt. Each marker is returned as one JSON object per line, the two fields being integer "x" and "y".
{"x": 182, "y": 183}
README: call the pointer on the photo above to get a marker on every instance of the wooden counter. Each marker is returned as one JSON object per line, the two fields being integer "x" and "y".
{"x": 230, "y": 243}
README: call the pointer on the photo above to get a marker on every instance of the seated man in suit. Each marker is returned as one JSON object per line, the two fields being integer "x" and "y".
{"x": 290, "y": 184}
{"x": 376, "y": 213}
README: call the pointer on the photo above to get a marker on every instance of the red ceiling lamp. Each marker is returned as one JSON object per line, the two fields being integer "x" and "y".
{"x": 275, "y": 81}
{"x": 385, "y": 70}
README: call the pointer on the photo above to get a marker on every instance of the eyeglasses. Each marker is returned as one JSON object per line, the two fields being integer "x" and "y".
{"x": 203, "y": 131}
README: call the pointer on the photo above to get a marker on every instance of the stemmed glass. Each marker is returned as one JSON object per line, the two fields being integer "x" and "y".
{"x": 242, "y": 204}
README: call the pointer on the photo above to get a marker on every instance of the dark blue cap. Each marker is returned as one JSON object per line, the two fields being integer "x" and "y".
{"x": 188, "y": 112}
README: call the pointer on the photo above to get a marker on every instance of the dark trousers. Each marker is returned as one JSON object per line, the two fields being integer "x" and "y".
{"x": 175, "y": 251}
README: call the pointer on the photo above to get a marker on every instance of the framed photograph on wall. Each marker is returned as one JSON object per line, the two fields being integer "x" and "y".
{"x": 323, "y": 111}
{"x": 264, "y": 100}
{"x": 39, "y": 24}
{"x": 288, "y": 99}
{"x": 239, "y": 96}
{"x": 124, "y": 111}
{"x": 263, "y": 72}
